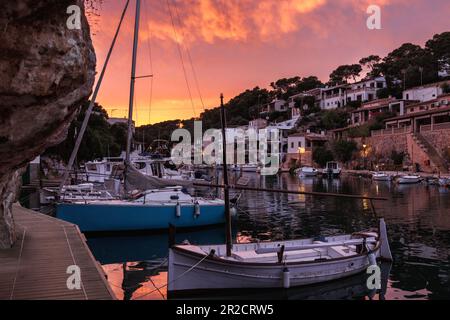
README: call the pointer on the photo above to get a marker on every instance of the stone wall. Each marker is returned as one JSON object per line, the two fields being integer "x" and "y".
{"x": 382, "y": 146}
{"x": 47, "y": 72}
{"x": 440, "y": 139}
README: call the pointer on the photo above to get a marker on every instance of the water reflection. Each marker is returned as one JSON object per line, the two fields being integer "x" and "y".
{"x": 418, "y": 218}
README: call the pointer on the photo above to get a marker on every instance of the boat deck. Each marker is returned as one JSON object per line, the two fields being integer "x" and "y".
{"x": 36, "y": 267}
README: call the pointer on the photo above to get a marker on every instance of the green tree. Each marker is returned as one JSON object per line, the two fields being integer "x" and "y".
{"x": 371, "y": 62}
{"x": 439, "y": 47}
{"x": 334, "y": 119}
{"x": 343, "y": 150}
{"x": 100, "y": 139}
{"x": 344, "y": 73}
{"x": 322, "y": 155}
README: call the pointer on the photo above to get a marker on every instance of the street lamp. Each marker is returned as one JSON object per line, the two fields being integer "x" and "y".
{"x": 301, "y": 151}
{"x": 365, "y": 155}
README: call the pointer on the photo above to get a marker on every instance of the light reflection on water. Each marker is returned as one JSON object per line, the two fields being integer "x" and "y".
{"x": 418, "y": 218}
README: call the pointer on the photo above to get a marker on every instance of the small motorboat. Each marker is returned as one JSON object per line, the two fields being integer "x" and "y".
{"x": 308, "y": 172}
{"x": 274, "y": 265}
{"x": 380, "y": 176}
{"x": 408, "y": 179}
{"x": 332, "y": 170}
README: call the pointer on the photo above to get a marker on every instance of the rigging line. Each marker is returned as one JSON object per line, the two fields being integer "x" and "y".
{"x": 93, "y": 100}
{"x": 188, "y": 51}
{"x": 150, "y": 55}
{"x": 180, "y": 52}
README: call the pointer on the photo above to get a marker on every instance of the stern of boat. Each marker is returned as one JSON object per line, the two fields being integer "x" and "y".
{"x": 385, "y": 253}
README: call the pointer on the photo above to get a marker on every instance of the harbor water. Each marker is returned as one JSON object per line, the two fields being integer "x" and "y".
{"x": 418, "y": 218}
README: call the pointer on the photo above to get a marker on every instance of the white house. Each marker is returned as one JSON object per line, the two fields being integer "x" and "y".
{"x": 425, "y": 93}
{"x": 295, "y": 142}
{"x": 365, "y": 90}
{"x": 275, "y": 105}
{"x": 333, "y": 97}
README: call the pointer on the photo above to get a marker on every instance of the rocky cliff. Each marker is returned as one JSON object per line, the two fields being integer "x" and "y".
{"x": 47, "y": 71}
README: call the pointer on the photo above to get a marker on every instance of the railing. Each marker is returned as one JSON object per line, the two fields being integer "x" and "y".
{"x": 441, "y": 126}
{"x": 391, "y": 131}
{"x": 435, "y": 127}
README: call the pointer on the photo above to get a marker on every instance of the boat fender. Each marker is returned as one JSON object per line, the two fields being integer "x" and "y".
{"x": 197, "y": 209}
{"x": 286, "y": 278}
{"x": 233, "y": 212}
{"x": 178, "y": 209}
{"x": 372, "y": 259}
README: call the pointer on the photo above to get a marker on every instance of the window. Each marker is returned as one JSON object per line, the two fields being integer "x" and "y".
{"x": 292, "y": 145}
{"x": 407, "y": 96}
{"x": 299, "y": 144}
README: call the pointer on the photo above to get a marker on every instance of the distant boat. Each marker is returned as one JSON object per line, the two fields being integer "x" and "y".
{"x": 308, "y": 172}
{"x": 332, "y": 170}
{"x": 444, "y": 182}
{"x": 250, "y": 168}
{"x": 408, "y": 179}
{"x": 274, "y": 265}
{"x": 154, "y": 210}
{"x": 380, "y": 176}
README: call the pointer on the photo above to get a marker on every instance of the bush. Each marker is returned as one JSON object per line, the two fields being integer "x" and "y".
{"x": 322, "y": 155}
{"x": 344, "y": 150}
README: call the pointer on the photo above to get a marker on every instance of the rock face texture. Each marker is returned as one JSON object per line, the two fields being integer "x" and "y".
{"x": 46, "y": 71}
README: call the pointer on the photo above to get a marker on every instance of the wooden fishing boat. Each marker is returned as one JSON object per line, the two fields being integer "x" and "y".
{"x": 409, "y": 179}
{"x": 308, "y": 172}
{"x": 380, "y": 176}
{"x": 282, "y": 264}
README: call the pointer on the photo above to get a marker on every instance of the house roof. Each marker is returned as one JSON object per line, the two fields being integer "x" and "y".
{"x": 419, "y": 114}
{"x": 434, "y": 84}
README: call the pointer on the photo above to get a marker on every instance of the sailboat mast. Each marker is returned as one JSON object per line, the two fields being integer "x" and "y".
{"x": 133, "y": 81}
{"x": 225, "y": 177}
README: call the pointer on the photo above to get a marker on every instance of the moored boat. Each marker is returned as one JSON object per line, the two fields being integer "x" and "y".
{"x": 275, "y": 264}
{"x": 381, "y": 176}
{"x": 308, "y": 172}
{"x": 154, "y": 210}
{"x": 408, "y": 179}
{"x": 332, "y": 170}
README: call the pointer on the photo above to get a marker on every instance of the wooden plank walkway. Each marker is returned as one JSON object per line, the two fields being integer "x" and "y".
{"x": 36, "y": 267}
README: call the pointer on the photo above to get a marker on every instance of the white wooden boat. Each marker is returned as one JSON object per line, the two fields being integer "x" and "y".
{"x": 380, "y": 176}
{"x": 308, "y": 172}
{"x": 409, "y": 179}
{"x": 275, "y": 264}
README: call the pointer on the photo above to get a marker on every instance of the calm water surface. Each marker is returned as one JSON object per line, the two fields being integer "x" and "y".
{"x": 418, "y": 218}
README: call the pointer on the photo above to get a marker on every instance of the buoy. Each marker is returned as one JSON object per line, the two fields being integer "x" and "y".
{"x": 197, "y": 209}
{"x": 286, "y": 278}
{"x": 178, "y": 209}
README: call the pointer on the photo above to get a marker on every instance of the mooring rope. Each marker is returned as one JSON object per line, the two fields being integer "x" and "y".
{"x": 174, "y": 280}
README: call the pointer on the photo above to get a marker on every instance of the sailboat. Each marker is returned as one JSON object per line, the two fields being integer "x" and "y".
{"x": 281, "y": 264}
{"x": 164, "y": 202}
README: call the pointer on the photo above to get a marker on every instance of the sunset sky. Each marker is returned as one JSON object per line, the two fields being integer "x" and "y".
{"x": 239, "y": 44}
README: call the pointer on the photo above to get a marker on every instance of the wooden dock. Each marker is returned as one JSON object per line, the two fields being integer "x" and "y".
{"x": 36, "y": 267}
